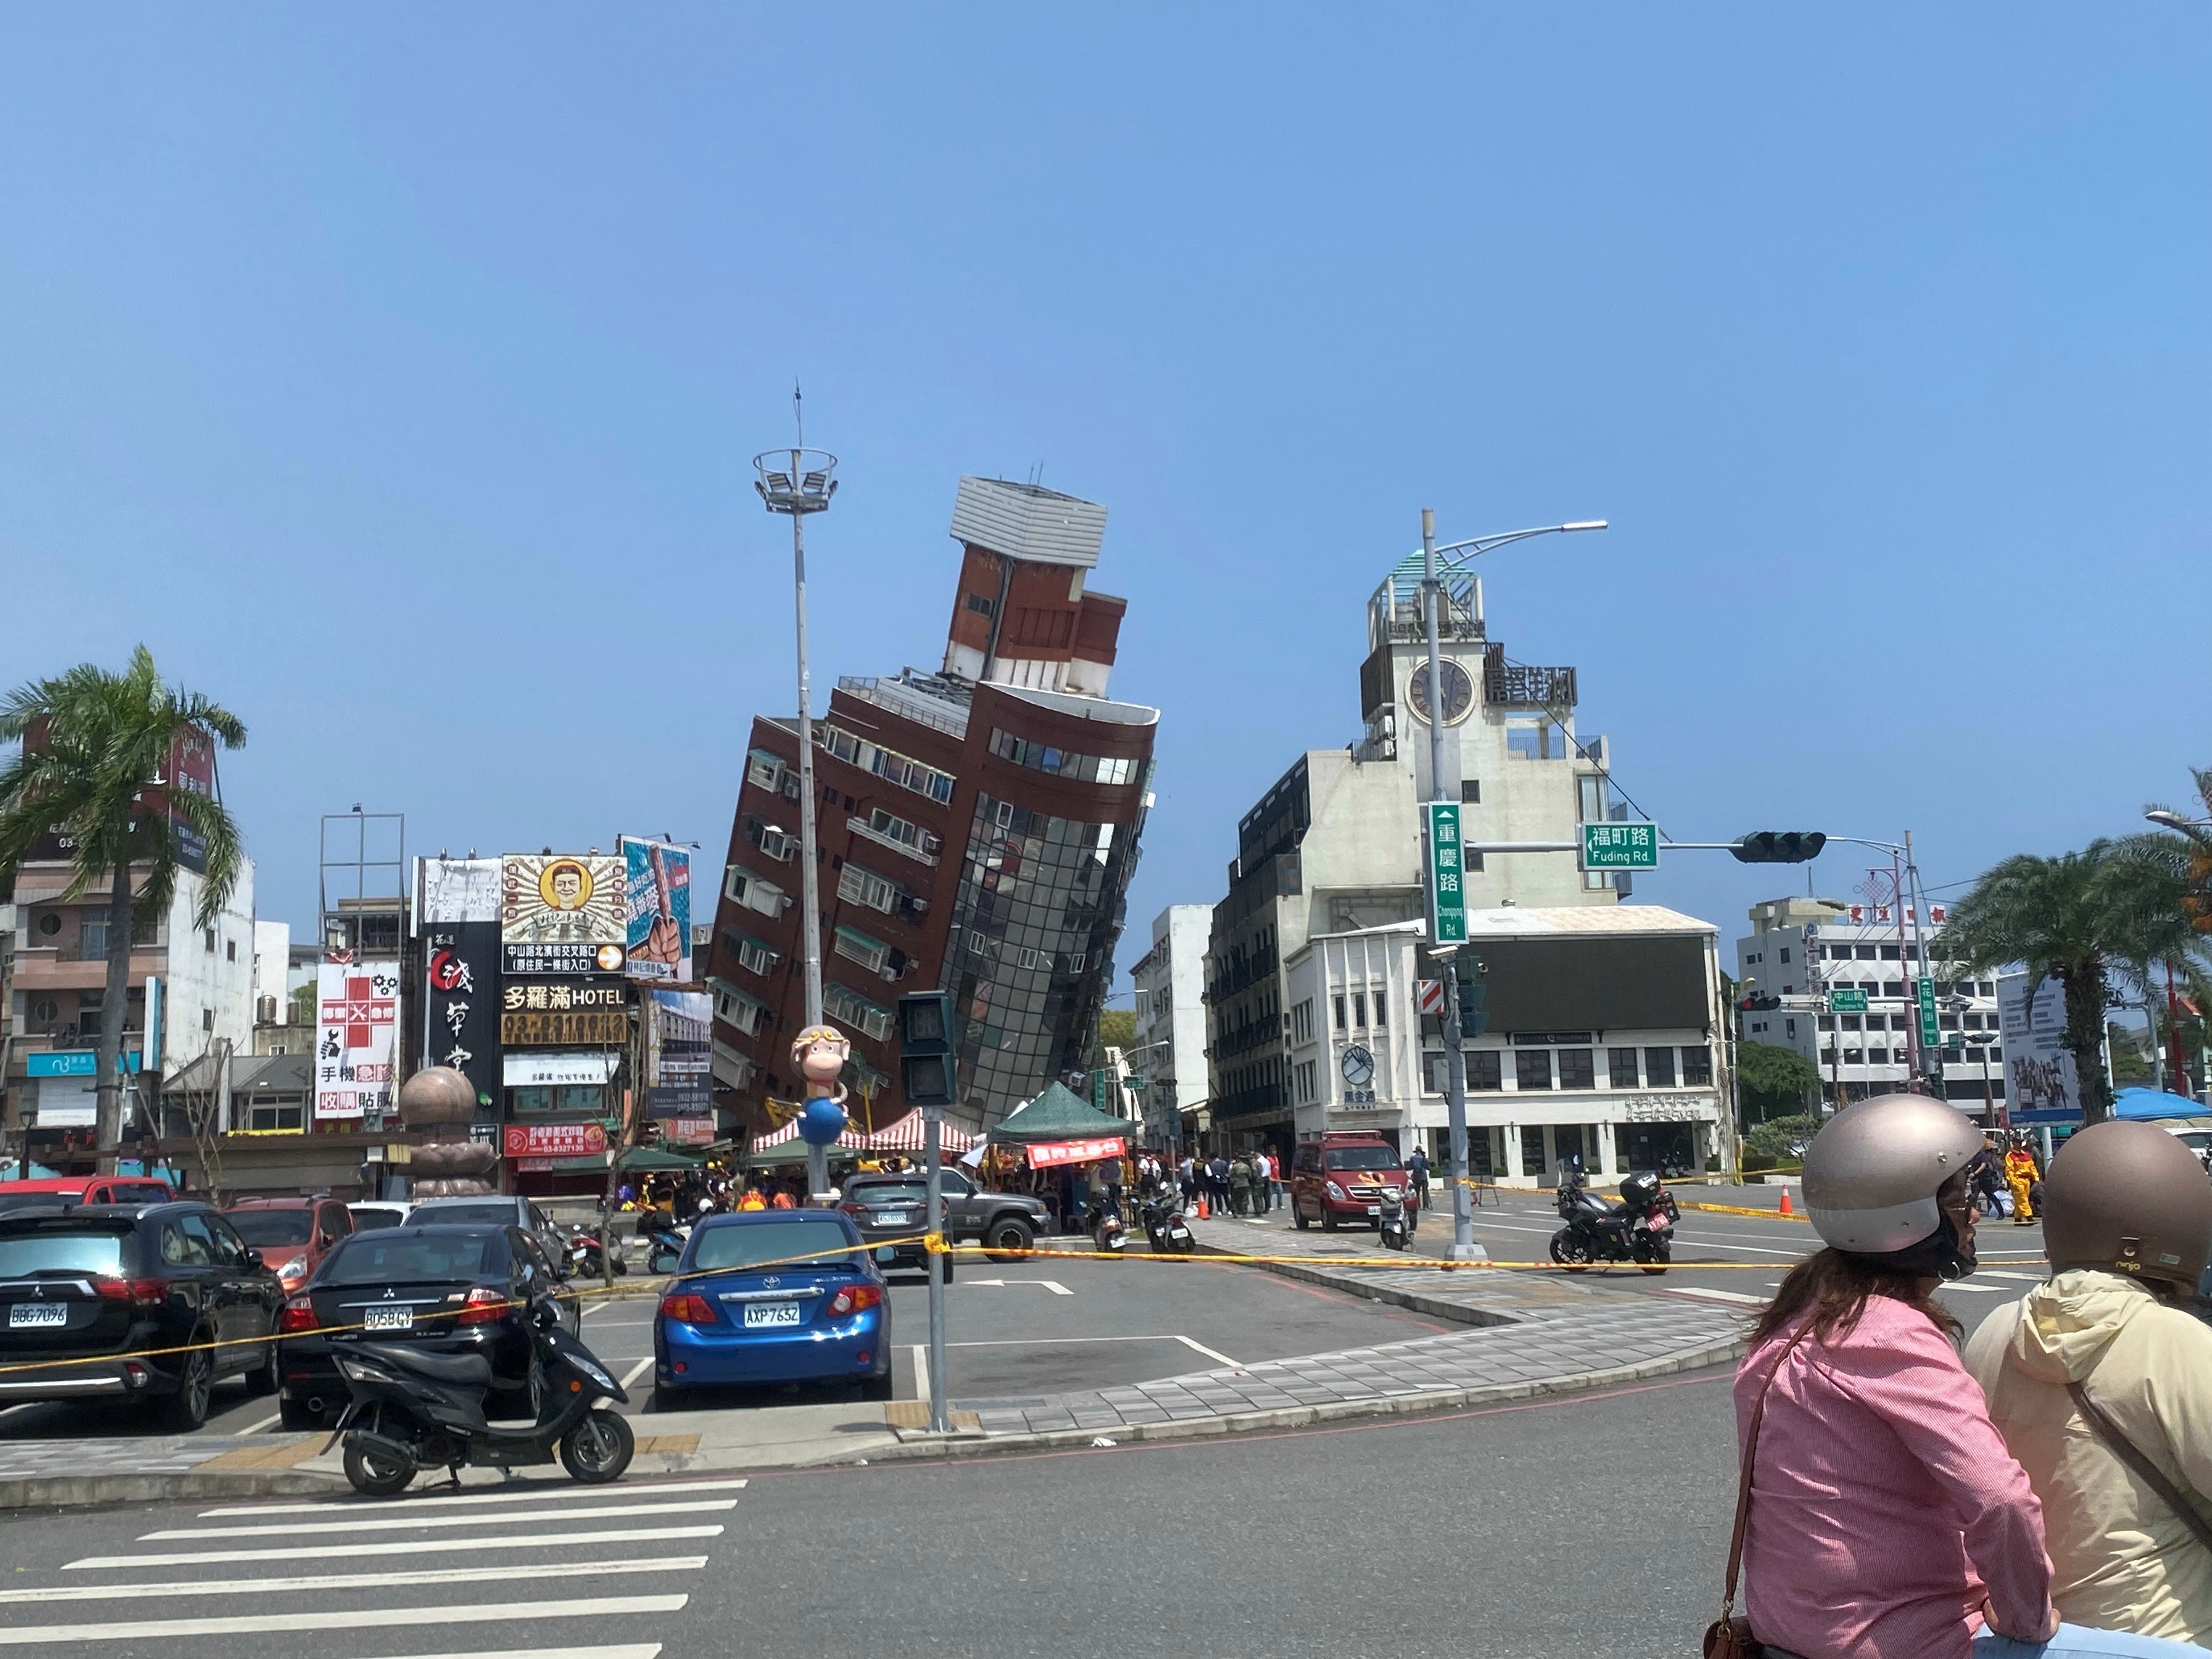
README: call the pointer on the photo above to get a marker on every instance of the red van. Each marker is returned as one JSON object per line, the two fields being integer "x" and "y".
{"x": 1343, "y": 1178}
{"x": 89, "y": 1189}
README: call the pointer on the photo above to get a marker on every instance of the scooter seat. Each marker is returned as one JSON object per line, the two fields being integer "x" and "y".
{"x": 469, "y": 1370}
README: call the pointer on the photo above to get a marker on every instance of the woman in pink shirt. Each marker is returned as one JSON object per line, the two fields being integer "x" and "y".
{"x": 1886, "y": 1519}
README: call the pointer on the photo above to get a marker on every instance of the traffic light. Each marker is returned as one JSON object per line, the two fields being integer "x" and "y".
{"x": 1779, "y": 846}
{"x": 1473, "y": 994}
{"x": 926, "y": 1062}
{"x": 1758, "y": 1005}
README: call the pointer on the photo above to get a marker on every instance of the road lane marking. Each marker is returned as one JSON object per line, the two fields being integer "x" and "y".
{"x": 1052, "y": 1285}
{"x": 401, "y": 1522}
{"x": 248, "y": 1624}
{"x": 534, "y": 1540}
{"x": 637, "y": 1370}
{"x": 255, "y": 1428}
{"x": 630, "y": 1650}
{"x": 1057, "y": 1341}
{"x": 339, "y": 1580}
{"x": 1973, "y": 1289}
{"x": 1211, "y": 1353}
{"x": 2023, "y": 1278}
{"x": 1704, "y": 1295}
{"x": 448, "y": 1500}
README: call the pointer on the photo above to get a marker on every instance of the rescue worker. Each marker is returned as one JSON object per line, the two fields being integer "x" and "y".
{"x": 752, "y": 1199}
{"x": 2020, "y": 1175}
{"x": 1884, "y": 1518}
{"x": 2127, "y": 1226}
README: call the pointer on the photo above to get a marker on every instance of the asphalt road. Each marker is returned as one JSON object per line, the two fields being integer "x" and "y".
{"x": 1015, "y": 1332}
{"x": 1591, "y": 1526}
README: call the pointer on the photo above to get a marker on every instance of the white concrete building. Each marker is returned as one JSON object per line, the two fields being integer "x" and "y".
{"x": 1802, "y": 950}
{"x": 1170, "y": 1047}
{"x": 1602, "y": 1042}
{"x": 1334, "y": 846}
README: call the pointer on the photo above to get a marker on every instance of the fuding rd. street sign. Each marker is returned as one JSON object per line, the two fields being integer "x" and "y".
{"x": 1620, "y": 846}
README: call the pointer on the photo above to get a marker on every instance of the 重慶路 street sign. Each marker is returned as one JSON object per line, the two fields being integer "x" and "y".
{"x": 1841, "y": 1002}
{"x": 1929, "y": 1036}
{"x": 1446, "y": 872}
{"x": 1620, "y": 846}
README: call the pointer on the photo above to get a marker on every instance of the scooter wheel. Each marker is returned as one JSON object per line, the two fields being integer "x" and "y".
{"x": 1655, "y": 1262}
{"x": 1571, "y": 1256}
{"x": 378, "y": 1473}
{"x": 598, "y": 1449}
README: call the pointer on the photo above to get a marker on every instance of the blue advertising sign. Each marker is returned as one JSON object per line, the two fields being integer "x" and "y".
{"x": 73, "y": 1062}
{"x": 657, "y": 909}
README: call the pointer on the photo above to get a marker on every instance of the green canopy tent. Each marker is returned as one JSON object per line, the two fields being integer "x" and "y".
{"x": 1058, "y": 1114}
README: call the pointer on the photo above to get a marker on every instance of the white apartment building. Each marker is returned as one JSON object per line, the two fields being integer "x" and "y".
{"x": 1169, "y": 1052}
{"x": 1601, "y": 1043}
{"x": 1334, "y": 846}
{"x": 1802, "y": 950}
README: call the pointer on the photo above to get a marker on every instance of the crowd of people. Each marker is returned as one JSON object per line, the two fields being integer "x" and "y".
{"x": 2037, "y": 1494}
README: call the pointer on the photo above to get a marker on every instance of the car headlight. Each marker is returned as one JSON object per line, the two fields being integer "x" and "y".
{"x": 295, "y": 1268}
{"x": 1334, "y": 1191}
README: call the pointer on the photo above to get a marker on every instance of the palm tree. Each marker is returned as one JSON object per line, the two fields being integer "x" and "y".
{"x": 2196, "y": 836}
{"x": 2082, "y": 919}
{"x": 94, "y": 745}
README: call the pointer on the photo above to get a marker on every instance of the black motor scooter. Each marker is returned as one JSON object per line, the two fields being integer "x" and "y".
{"x": 410, "y": 1411}
{"x": 1166, "y": 1231}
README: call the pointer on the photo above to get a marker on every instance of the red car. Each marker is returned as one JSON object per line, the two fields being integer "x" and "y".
{"x": 91, "y": 1190}
{"x": 292, "y": 1235}
{"x": 1343, "y": 1177}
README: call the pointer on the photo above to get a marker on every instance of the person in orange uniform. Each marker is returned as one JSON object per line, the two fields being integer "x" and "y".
{"x": 2020, "y": 1175}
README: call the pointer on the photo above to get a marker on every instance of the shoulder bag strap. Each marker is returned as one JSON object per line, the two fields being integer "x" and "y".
{"x": 2126, "y": 1450}
{"x": 1743, "y": 1482}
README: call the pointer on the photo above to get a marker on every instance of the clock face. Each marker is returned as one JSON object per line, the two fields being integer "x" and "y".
{"x": 1357, "y": 1067}
{"x": 1459, "y": 692}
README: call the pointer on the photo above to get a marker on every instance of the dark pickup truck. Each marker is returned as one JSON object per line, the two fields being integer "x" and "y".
{"x": 893, "y": 1206}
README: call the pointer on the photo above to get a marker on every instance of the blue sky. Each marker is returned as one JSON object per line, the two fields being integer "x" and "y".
{"x": 394, "y": 375}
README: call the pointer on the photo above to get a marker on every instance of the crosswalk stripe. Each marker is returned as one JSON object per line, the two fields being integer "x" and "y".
{"x": 366, "y": 1618}
{"x": 1972, "y": 1290}
{"x": 621, "y": 1651}
{"x": 384, "y": 1523}
{"x": 532, "y": 1540}
{"x": 441, "y": 1500}
{"x": 338, "y": 1580}
{"x": 2024, "y": 1279}
{"x": 1703, "y": 1294}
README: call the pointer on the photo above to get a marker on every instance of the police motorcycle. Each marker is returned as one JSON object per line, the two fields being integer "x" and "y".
{"x": 1639, "y": 1229}
{"x": 410, "y": 1411}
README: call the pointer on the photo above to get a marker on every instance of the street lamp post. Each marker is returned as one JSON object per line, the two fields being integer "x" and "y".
{"x": 798, "y": 481}
{"x": 1463, "y": 1247}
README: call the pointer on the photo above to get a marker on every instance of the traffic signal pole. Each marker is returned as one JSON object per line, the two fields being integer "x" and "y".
{"x": 1463, "y": 1247}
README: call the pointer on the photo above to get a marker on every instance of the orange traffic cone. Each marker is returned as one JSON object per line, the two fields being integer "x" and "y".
{"x": 1786, "y": 1210}
{"x": 1202, "y": 1211}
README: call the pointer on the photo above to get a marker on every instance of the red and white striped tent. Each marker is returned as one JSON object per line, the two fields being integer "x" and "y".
{"x": 904, "y": 1136}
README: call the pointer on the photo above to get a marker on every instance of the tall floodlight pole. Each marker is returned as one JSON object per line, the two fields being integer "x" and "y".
{"x": 1463, "y": 1247}
{"x": 798, "y": 481}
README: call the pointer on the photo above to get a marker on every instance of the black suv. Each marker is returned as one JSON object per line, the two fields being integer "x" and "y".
{"x": 894, "y": 1206}
{"x": 105, "y": 1285}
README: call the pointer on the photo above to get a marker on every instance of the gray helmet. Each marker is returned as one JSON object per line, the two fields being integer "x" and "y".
{"x": 1872, "y": 1173}
{"x": 2129, "y": 1198}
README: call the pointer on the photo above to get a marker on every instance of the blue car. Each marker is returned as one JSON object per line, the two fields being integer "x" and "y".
{"x": 773, "y": 1296}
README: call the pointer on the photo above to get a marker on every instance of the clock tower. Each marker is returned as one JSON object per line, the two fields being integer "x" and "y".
{"x": 1396, "y": 703}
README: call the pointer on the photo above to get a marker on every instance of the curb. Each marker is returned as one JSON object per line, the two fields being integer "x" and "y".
{"x": 916, "y": 1444}
{"x": 1332, "y": 1278}
{"x": 80, "y": 1491}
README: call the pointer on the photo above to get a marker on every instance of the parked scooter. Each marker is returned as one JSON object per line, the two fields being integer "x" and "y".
{"x": 410, "y": 1411}
{"x": 1108, "y": 1234}
{"x": 1165, "y": 1227}
{"x": 584, "y": 1248}
{"x": 1639, "y": 1229}
{"x": 1393, "y": 1220}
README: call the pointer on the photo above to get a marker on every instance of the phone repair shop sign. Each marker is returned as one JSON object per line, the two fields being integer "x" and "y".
{"x": 523, "y": 1140}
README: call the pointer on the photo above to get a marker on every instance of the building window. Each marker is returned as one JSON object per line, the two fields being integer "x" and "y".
{"x": 981, "y": 606}
{"x": 88, "y": 1013}
{"x": 229, "y": 950}
{"x": 856, "y": 946}
{"x": 91, "y": 936}
{"x": 733, "y": 1007}
{"x": 1827, "y": 1022}
{"x": 776, "y": 842}
{"x": 1889, "y": 953}
{"x": 1062, "y": 762}
{"x": 1869, "y": 953}
{"x": 1620, "y": 1068}
{"x": 1339, "y": 1002}
{"x": 755, "y": 955}
{"x": 210, "y": 941}
{"x": 267, "y": 1115}
{"x": 1302, "y": 1022}
{"x": 1359, "y": 1007}
{"x": 207, "y": 1019}
{"x": 1533, "y": 1068}
{"x": 1659, "y": 1068}
{"x": 860, "y": 885}
{"x": 1382, "y": 1020}
{"x": 1577, "y": 1069}
{"x": 1470, "y": 789}
{"x": 1483, "y": 1071}
{"x": 1854, "y": 1057}
{"x": 1532, "y": 1148}
{"x": 1877, "y": 1056}
{"x": 1697, "y": 1066}
{"x": 1785, "y": 953}
{"x": 911, "y": 836}
{"x": 849, "y": 1007}
{"x": 886, "y": 764}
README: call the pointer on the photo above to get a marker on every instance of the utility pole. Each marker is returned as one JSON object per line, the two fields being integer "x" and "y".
{"x": 806, "y": 487}
{"x": 1462, "y": 1245}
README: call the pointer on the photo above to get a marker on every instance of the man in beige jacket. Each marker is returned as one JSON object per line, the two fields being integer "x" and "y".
{"x": 2127, "y": 1228}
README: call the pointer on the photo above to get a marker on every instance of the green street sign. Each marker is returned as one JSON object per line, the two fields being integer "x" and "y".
{"x": 1132, "y": 1083}
{"x": 1620, "y": 846}
{"x": 1447, "y": 891}
{"x": 1843, "y": 1001}
{"x": 1929, "y": 1036}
